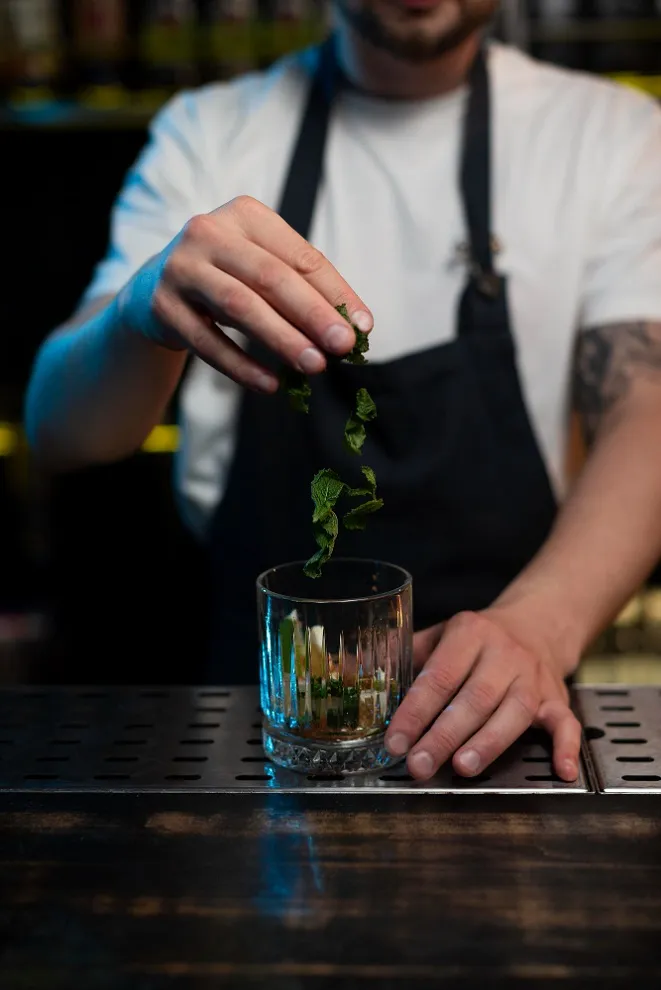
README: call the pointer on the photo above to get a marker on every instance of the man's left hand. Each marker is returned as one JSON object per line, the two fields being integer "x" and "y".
{"x": 484, "y": 680}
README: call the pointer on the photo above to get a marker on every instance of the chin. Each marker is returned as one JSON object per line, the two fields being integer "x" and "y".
{"x": 416, "y": 31}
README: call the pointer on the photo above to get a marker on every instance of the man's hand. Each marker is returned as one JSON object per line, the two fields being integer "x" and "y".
{"x": 242, "y": 266}
{"x": 484, "y": 680}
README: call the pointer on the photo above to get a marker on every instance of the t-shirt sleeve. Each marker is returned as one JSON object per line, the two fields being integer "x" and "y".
{"x": 159, "y": 195}
{"x": 623, "y": 274}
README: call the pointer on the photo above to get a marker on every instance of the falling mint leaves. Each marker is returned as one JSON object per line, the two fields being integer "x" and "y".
{"x": 370, "y": 477}
{"x": 362, "y": 345}
{"x": 357, "y": 517}
{"x": 355, "y": 432}
{"x": 297, "y": 387}
{"x": 326, "y": 487}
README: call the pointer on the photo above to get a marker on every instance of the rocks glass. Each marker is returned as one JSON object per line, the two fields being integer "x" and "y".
{"x": 336, "y": 660}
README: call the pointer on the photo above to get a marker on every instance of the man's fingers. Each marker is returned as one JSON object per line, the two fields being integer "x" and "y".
{"x": 508, "y": 722}
{"x": 471, "y": 707}
{"x": 443, "y": 675}
{"x": 232, "y": 303}
{"x": 565, "y": 729}
{"x": 297, "y": 302}
{"x": 212, "y": 345}
{"x": 265, "y": 228}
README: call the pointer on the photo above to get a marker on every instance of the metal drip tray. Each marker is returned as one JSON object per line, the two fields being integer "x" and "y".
{"x": 623, "y": 729}
{"x": 200, "y": 739}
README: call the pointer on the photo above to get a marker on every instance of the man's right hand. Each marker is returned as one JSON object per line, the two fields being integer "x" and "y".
{"x": 242, "y": 266}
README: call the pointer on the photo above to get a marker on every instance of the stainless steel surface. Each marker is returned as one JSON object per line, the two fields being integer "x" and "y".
{"x": 622, "y": 725}
{"x": 199, "y": 739}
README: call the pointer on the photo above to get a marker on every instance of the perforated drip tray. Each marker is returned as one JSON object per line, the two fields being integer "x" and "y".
{"x": 622, "y": 725}
{"x": 199, "y": 739}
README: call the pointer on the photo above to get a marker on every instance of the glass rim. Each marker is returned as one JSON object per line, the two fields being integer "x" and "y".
{"x": 377, "y": 596}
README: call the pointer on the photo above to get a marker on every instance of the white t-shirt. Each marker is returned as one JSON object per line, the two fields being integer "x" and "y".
{"x": 577, "y": 203}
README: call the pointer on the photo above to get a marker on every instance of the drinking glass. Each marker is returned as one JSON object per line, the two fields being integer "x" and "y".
{"x": 336, "y": 660}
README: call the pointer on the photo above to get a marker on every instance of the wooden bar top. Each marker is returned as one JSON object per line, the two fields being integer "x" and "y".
{"x": 287, "y": 891}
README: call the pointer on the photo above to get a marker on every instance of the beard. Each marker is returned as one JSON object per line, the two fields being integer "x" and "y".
{"x": 416, "y": 35}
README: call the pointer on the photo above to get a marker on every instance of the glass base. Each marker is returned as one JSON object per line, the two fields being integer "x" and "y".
{"x": 308, "y": 756}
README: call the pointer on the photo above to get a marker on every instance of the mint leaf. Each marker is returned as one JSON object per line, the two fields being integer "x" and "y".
{"x": 365, "y": 407}
{"x": 354, "y": 435}
{"x": 354, "y": 431}
{"x": 362, "y": 345}
{"x": 357, "y": 517}
{"x": 325, "y": 533}
{"x": 371, "y": 481}
{"x": 371, "y": 478}
{"x": 326, "y": 488}
{"x": 297, "y": 387}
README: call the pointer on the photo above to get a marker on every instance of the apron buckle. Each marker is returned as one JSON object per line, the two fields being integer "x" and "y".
{"x": 487, "y": 283}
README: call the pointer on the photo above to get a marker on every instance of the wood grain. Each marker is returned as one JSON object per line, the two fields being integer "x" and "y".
{"x": 320, "y": 891}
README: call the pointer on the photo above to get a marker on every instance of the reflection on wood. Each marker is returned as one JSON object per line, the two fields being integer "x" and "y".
{"x": 291, "y": 891}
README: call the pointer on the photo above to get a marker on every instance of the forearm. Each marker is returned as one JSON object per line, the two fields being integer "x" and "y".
{"x": 607, "y": 536}
{"x": 606, "y": 539}
{"x": 96, "y": 391}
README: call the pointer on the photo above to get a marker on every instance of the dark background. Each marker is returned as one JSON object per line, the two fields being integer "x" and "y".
{"x": 101, "y": 555}
{"x": 103, "y": 550}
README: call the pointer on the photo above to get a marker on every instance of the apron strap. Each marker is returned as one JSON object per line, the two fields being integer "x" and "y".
{"x": 475, "y": 177}
{"x": 306, "y": 168}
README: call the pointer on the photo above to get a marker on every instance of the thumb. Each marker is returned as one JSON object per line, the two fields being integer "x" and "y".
{"x": 424, "y": 644}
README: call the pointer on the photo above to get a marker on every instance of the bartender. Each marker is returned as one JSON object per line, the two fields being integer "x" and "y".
{"x": 497, "y": 223}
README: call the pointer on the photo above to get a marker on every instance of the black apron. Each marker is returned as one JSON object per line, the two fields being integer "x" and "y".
{"x": 467, "y": 497}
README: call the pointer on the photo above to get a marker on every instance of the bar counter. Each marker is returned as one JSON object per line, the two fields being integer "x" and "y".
{"x": 330, "y": 887}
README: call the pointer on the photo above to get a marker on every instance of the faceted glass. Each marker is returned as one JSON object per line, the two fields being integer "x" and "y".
{"x": 336, "y": 660}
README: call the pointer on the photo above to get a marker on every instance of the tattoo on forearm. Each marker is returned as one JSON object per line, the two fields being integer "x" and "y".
{"x": 609, "y": 360}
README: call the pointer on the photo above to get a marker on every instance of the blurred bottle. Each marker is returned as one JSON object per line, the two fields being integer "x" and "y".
{"x": 555, "y": 31}
{"x": 100, "y": 32}
{"x": 321, "y": 19}
{"x": 627, "y": 36}
{"x": 290, "y": 26}
{"x": 167, "y": 49}
{"x": 625, "y": 9}
{"x": 34, "y": 51}
{"x": 228, "y": 37}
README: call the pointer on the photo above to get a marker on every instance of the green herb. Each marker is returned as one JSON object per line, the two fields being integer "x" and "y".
{"x": 365, "y": 408}
{"x": 354, "y": 435}
{"x": 361, "y": 347}
{"x": 297, "y": 387}
{"x": 371, "y": 481}
{"x": 357, "y": 518}
{"x": 350, "y": 708}
{"x": 296, "y": 384}
{"x": 354, "y": 431}
{"x": 326, "y": 488}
